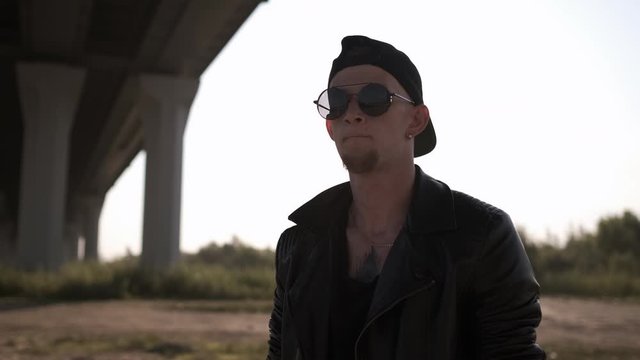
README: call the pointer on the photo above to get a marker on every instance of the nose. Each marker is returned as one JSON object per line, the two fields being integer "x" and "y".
{"x": 353, "y": 115}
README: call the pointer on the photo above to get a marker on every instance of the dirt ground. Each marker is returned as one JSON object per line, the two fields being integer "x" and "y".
{"x": 608, "y": 324}
{"x": 55, "y": 328}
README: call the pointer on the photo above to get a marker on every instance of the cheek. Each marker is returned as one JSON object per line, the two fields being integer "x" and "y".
{"x": 402, "y": 119}
{"x": 392, "y": 129}
{"x": 329, "y": 125}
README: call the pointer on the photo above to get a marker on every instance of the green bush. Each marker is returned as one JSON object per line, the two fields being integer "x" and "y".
{"x": 236, "y": 255}
{"x": 603, "y": 264}
{"x": 202, "y": 281}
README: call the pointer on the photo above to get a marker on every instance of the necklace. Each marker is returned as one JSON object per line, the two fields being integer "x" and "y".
{"x": 382, "y": 244}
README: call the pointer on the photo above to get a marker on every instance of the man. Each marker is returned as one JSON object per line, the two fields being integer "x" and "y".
{"x": 394, "y": 264}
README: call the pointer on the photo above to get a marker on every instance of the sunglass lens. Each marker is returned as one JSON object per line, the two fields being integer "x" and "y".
{"x": 374, "y": 99}
{"x": 332, "y": 103}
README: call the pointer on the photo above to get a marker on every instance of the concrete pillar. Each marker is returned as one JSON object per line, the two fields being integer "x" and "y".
{"x": 49, "y": 95}
{"x": 91, "y": 207}
{"x": 70, "y": 240}
{"x": 164, "y": 107}
{"x": 7, "y": 243}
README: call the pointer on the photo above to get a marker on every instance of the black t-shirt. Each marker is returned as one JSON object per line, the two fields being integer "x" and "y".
{"x": 350, "y": 300}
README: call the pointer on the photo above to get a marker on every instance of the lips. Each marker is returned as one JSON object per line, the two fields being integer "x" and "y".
{"x": 350, "y": 137}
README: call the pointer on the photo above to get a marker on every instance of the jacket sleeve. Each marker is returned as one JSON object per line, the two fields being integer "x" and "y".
{"x": 508, "y": 311}
{"x": 283, "y": 250}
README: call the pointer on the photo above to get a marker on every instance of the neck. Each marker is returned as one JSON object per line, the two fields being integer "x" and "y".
{"x": 381, "y": 199}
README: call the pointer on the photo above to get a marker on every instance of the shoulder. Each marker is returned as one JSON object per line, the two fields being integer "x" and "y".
{"x": 285, "y": 243}
{"x": 295, "y": 239}
{"x": 438, "y": 208}
{"x": 498, "y": 250}
{"x": 481, "y": 229}
{"x": 472, "y": 213}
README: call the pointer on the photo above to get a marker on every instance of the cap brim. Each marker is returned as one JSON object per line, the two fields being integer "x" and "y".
{"x": 425, "y": 141}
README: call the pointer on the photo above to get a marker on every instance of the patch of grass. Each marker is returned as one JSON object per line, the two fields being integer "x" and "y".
{"x": 193, "y": 278}
{"x": 170, "y": 349}
{"x": 74, "y": 281}
{"x": 623, "y": 286}
{"x": 72, "y": 346}
{"x": 231, "y": 351}
{"x": 593, "y": 352}
{"x": 202, "y": 281}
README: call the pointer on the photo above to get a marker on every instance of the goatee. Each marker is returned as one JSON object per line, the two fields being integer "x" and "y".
{"x": 360, "y": 164}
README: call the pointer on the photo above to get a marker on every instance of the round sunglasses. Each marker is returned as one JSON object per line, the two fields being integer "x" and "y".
{"x": 374, "y": 100}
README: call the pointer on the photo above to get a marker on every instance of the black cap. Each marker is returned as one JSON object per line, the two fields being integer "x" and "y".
{"x": 361, "y": 50}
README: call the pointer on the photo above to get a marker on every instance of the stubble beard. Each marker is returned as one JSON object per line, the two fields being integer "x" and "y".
{"x": 360, "y": 163}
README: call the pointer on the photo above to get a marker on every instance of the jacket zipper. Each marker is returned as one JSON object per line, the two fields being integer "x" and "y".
{"x": 426, "y": 287}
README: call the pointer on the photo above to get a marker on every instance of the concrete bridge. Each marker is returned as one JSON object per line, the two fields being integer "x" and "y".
{"x": 84, "y": 86}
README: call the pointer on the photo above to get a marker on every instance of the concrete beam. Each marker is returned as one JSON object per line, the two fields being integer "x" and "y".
{"x": 120, "y": 141}
{"x": 164, "y": 107}
{"x": 201, "y": 32}
{"x": 55, "y": 27}
{"x": 49, "y": 96}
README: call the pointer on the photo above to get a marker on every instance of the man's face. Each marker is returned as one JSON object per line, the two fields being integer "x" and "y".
{"x": 367, "y": 143}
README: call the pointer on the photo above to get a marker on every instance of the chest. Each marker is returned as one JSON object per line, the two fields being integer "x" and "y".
{"x": 366, "y": 255}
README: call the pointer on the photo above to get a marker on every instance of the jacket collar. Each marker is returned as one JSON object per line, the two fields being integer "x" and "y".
{"x": 325, "y": 211}
{"x": 432, "y": 207}
{"x": 406, "y": 270}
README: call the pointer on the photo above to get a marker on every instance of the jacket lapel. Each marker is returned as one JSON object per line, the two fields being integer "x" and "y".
{"x": 308, "y": 305}
{"x": 310, "y": 289}
{"x": 411, "y": 265}
{"x": 398, "y": 279}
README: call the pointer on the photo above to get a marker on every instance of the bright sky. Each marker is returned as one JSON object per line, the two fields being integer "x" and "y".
{"x": 535, "y": 105}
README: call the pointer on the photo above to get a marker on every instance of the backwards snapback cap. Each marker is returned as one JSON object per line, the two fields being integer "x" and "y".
{"x": 361, "y": 50}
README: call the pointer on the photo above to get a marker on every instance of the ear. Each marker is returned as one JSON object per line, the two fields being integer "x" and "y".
{"x": 329, "y": 125}
{"x": 419, "y": 121}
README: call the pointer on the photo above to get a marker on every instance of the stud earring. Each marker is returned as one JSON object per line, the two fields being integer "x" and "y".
{"x": 410, "y": 136}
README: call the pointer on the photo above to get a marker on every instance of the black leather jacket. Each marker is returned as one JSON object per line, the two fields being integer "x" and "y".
{"x": 460, "y": 286}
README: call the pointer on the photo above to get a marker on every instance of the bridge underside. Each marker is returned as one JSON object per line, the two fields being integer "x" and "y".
{"x": 85, "y": 85}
